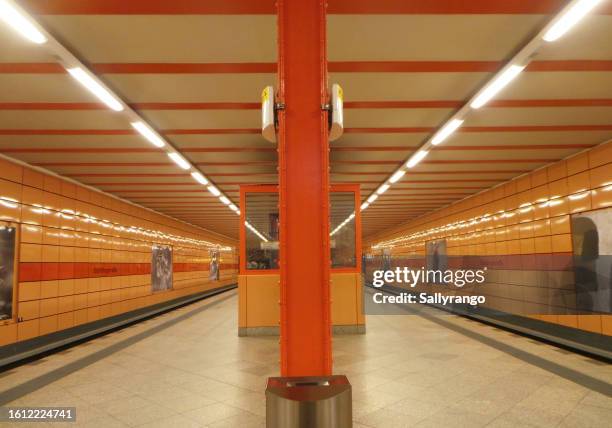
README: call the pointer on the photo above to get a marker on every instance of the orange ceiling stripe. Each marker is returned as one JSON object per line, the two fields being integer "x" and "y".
{"x": 596, "y": 102}
{"x": 134, "y": 150}
{"x": 238, "y": 163}
{"x": 459, "y": 148}
{"x": 185, "y": 68}
{"x": 334, "y": 66}
{"x": 528, "y": 128}
{"x": 172, "y": 191}
{"x": 146, "y": 199}
{"x": 136, "y": 164}
{"x": 487, "y": 161}
{"x": 126, "y": 131}
{"x": 462, "y": 66}
{"x": 100, "y": 164}
{"x": 151, "y": 7}
{"x": 497, "y": 171}
{"x": 412, "y": 66}
{"x": 273, "y": 150}
{"x": 212, "y": 131}
{"x": 197, "y": 106}
{"x": 402, "y": 104}
{"x": 537, "y": 128}
{"x": 434, "y": 162}
{"x": 259, "y": 7}
{"x": 252, "y": 174}
{"x": 444, "y": 7}
{"x": 87, "y": 174}
{"x": 408, "y": 183}
{"x": 162, "y": 183}
{"x": 137, "y": 106}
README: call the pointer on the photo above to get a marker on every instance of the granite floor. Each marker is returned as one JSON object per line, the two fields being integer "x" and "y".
{"x": 188, "y": 368}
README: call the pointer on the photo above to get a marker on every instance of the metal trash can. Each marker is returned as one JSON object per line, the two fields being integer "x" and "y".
{"x": 309, "y": 402}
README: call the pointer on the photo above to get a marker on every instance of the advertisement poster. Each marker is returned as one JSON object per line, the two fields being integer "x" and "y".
{"x": 161, "y": 268}
{"x": 7, "y": 259}
{"x": 213, "y": 269}
{"x": 592, "y": 244}
{"x": 437, "y": 259}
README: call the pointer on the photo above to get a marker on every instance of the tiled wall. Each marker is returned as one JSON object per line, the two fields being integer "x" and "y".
{"x": 83, "y": 256}
{"x": 523, "y": 229}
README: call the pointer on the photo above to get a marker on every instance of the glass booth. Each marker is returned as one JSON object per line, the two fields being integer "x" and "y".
{"x": 259, "y": 276}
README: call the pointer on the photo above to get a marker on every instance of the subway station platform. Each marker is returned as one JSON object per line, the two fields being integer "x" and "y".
{"x": 306, "y": 213}
{"x": 187, "y": 368}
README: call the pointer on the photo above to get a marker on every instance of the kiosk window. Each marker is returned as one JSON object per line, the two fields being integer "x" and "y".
{"x": 342, "y": 241}
{"x": 261, "y": 229}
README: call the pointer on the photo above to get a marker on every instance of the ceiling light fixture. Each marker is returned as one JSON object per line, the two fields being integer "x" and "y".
{"x": 446, "y": 131}
{"x": 179, "y": 160}
{"x": 15, "y": 19}
{"x": 416, "y": 158}
{"x": 87, "y": 80}
{"x": 499, "y": 83}
{"x": 199, "y": 178}
{"x": 148, "y": 133}
{"x": 214, "y": 190}
{"x": 224, "y": 200}
{"x": 569, "y": 18}
{"x": 372, "y": 198}
{"x": 382, "y": 189}
{"x": 397, "y": 176}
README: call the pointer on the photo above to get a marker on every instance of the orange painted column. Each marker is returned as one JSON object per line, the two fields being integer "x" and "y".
{"x": 304, "y": 189}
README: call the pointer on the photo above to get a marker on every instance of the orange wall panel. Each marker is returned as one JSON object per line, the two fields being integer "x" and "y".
{"x": 530, "y": 220}
{"x": 74, "y": 268}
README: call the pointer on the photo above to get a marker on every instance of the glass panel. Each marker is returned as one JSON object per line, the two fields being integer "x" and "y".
{"x": 342, "y": 240}
{"x": 7, "y": 268}
{"x": 261, "y": 230}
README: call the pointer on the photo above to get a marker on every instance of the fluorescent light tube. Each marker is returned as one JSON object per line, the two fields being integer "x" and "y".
{"x": 447, "y": 130}
{"x": 199, "y": 178}
{"x": 179, "y": 160}
{"x": 233, "y": 207}
{"x": 372, "y": 198}
{"x": 397, "y": 176}
{"x": 569, "y": 19}
{"x": 364, "y": 206}
{"x": 96, "y": 88}
{"x": 214, "y": 190}
{"x": 20, "y": 23}
{"x": 148, "y": 133}
{"x": 416, "y": 158}
{"x": 382, "y": 189}
{"x": 224, "y": 200}
{"x": 497, "y": 85}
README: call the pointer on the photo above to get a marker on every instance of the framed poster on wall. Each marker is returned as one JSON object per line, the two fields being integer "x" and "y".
{"x": 161, "y": 268}
{"x": 213, "y": 269}
{"x": 437, "y": 259}
{"x": 592, "y": 244}
{"x": 7, "y": 269}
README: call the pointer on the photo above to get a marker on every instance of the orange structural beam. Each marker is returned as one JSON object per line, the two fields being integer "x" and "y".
{"x": 304, "y": 189}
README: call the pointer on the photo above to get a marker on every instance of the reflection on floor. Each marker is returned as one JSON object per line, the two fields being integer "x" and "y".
{"x": 188, "y": 368}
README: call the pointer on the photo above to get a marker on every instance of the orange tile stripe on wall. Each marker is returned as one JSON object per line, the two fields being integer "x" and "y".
{"x": 85, "y": 256}
{"x": 529, "y": 215}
